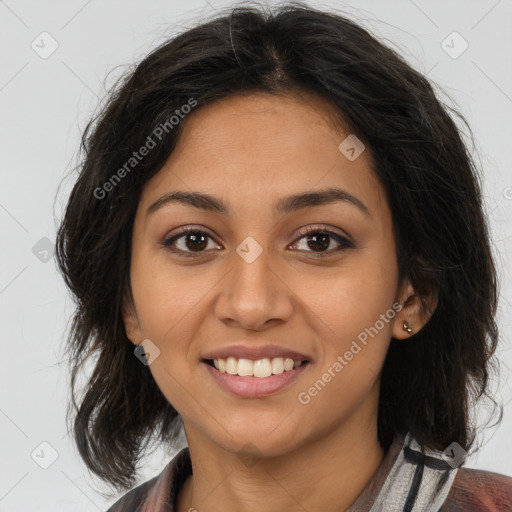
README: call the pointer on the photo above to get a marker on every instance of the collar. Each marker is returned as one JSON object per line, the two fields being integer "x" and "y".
{"x": 409, "y": 478}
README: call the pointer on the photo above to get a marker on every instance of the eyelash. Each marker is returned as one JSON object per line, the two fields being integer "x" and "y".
{"x": 344, "y": 242}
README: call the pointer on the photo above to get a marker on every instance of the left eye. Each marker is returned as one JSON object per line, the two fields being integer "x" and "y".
{"x": 195, "y": 241}
{"x": 323, "y": 238}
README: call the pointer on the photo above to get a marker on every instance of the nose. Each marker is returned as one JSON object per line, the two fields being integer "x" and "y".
{"x": 254, "y": 294}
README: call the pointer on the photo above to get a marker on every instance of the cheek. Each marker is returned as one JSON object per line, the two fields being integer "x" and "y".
{"x": 354, "y": 319}
{"x": 165, "y": 304}
{"x": 347, "y": 376}
{"x": 351, "y": 300}
{"x": 164, "y": 293}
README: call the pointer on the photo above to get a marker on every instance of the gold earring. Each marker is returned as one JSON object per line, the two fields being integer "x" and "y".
{"x": 407, "y": 328}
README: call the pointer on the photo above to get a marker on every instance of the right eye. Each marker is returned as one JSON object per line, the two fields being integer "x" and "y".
{"x": 192, "y": 240}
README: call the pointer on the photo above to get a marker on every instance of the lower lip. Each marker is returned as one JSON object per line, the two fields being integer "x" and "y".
{"x": 255, "y": 387}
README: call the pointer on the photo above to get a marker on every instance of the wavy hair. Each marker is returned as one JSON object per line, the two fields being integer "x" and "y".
{"x": 432, "y": 185}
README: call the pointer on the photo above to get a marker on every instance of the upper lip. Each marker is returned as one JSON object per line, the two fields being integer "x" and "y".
{"x": 255, "y": 353}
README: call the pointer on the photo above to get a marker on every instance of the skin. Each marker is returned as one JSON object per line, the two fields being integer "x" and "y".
{"x": 249, "y": 151}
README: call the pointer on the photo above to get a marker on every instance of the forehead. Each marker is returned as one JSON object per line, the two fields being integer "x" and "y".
{"x": 255, "y": 148}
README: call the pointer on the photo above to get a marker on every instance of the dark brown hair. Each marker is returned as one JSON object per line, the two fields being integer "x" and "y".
{"x": 429, "y": 176}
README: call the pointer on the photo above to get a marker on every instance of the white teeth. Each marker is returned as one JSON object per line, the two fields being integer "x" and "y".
{"x": 231, "y": 366}
{"x": 245, "y": 367}
{"x": 277, "y": 365}
{"x": 259, "y": 368}
{"x": 262, "y": 368}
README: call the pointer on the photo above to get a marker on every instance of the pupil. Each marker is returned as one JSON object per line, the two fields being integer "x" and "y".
{"x": 198, "y": 241}
{"x": 324, "y": 238}
{"x": 196, "y": 238}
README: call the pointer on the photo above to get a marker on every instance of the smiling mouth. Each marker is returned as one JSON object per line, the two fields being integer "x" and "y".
{"x": 261, "y": 368}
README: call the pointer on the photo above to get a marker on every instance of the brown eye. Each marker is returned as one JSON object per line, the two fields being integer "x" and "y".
{"x": 189, "y": 240}
{"x": 192, "y": 241}
{"x": 319, "y": 240}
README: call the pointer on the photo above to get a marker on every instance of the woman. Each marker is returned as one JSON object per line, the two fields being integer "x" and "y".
{"x": 283, "y": 220}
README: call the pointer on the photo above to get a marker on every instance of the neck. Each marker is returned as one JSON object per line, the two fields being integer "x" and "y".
{"x": 328, "y": 473}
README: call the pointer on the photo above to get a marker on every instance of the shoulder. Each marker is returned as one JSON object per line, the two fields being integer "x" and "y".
{"x": 478, "y": 490}
{"x": 135, "y": 498}
{"x": 159, "y": 493}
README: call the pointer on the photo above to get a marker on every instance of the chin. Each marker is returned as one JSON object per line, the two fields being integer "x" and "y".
{"x": 259, "y": 441}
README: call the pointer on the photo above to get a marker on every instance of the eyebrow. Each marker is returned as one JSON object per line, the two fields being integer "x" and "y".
{"x": 285, "y": 205}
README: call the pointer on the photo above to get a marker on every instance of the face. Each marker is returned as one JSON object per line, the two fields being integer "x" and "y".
{"x": 305, "y": 281}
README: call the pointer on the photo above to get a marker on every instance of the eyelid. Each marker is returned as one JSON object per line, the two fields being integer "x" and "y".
{"x": 342, "y": 239}
{"x": 167, "y": 241}
{"x": 324, "y": 228}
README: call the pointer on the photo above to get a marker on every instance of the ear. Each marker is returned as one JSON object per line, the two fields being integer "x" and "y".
{"x": 412, "y": 312}
{"x": 132, "y": 325}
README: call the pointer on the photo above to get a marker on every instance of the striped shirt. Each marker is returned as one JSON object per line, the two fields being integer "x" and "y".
{"x": 408, "y": 479}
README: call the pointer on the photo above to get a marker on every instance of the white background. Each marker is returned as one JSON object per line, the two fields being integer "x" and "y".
{"x": 45, "y": 104}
